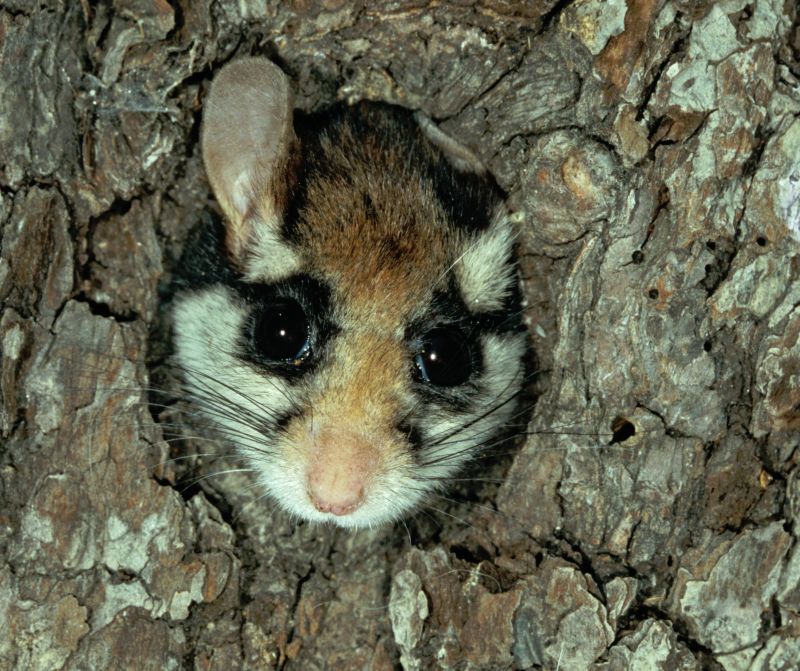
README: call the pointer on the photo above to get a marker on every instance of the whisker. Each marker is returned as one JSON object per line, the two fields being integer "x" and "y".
{"x": 215, "y": 474}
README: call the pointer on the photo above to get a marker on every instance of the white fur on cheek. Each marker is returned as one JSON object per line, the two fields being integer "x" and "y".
{"x": 484, "y": 271}
{"x": 233, "y": 394}
{"x": 454, "y": 438}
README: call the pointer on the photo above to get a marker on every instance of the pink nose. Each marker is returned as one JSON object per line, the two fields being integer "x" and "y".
{"x": 334, "y": 491}
{"x": 339, "y": 471}
{"x": 343, "y": 507}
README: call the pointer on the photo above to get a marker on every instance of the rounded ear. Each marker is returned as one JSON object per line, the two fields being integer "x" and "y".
{"x": 246, "y": 140}
{"x": 462, "y": 158}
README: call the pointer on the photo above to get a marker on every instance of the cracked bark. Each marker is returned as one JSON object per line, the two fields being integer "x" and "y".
{"x": 650, "y": 520}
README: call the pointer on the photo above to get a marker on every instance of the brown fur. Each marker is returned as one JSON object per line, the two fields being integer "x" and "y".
{"x": 375, "y": 230}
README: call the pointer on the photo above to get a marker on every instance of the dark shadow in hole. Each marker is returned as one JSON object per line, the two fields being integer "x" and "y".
{"x": 622, "y": 430}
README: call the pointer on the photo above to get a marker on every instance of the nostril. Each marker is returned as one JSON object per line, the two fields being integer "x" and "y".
{"x": 338, "y": 509}
{"x": 342, "y": 505}
{"x": 332, "y": 491}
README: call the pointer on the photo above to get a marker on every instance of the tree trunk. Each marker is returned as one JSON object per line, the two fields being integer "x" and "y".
{"x": 650, "y": 521}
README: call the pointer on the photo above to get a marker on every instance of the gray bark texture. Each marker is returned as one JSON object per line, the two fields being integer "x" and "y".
{"x": 651, "y": 518}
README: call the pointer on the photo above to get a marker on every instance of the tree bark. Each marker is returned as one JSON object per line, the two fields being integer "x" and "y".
{"x": 650, "y": 520}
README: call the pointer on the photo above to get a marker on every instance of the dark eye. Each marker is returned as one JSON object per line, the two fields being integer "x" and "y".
{"x": 445, "y": 359}
{"x": 281, "y": 332}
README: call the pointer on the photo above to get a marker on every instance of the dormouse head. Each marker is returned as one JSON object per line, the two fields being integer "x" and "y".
{"x": 353, "y": 327}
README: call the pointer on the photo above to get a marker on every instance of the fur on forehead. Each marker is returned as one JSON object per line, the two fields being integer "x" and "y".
{"x": 375, "y": 226}
{"x": 485, "y": 271}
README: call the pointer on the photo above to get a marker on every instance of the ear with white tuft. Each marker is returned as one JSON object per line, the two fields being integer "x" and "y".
{"x": 486, "y": 271}
{"x": 247, "y": 141}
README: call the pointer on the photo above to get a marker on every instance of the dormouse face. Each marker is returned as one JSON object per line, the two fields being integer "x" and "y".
{"x": 353, "y": 326}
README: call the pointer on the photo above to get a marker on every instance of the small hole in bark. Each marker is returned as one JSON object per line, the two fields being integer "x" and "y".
{"x": 707, "y": 345}
{"x": 100, "y": 309}
{"x": 472, "y": 555}
{"x": 761, "y": 241}
{"x": 653, "y": 293}
{"x": 122, "y": 577}
{"x": 622, "y": 429}
{"x": 637, "y": 256}
{"x": 711, "y": 245}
